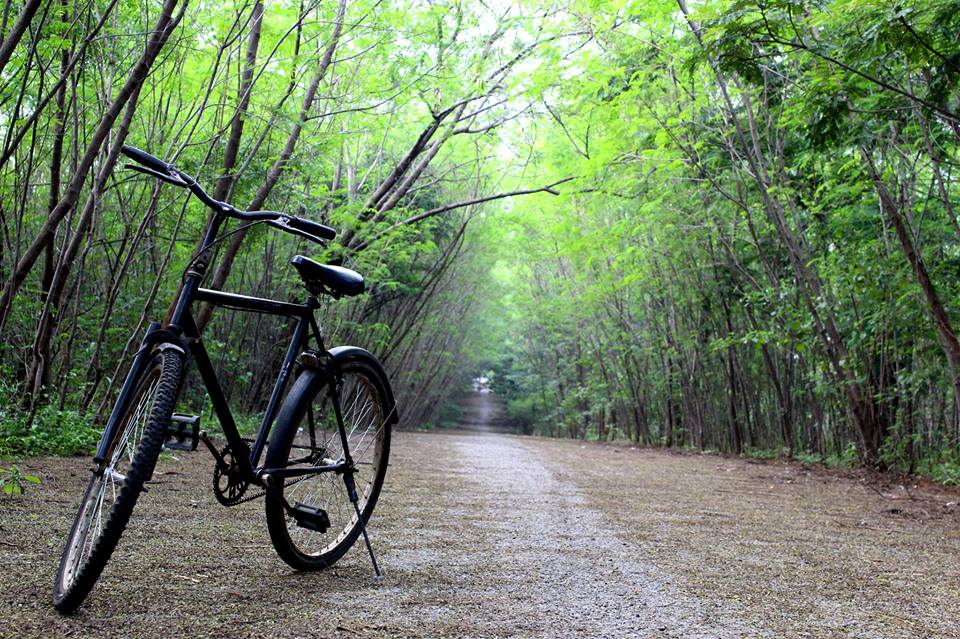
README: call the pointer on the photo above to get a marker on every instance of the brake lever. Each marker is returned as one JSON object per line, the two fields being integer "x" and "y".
{"x": 277, "y": 224}
{"x": 156, "y": 174}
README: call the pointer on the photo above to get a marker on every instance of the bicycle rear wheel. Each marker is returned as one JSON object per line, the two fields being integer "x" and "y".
{"x": 307, "y": 435}
{"x": 116, "y": 483}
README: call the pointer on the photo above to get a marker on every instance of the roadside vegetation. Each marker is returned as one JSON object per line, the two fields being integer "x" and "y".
{"x": 729, "y": 226}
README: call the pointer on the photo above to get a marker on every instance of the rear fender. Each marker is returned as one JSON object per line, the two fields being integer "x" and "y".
{"x": 318, "y": 367}
{"x": 341, "y": 355}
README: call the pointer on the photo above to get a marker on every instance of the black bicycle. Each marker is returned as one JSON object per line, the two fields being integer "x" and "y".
{"x": 327, "y": 453}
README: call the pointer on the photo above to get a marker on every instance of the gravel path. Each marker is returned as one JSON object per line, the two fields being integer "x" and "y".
{"x": 489, "y": 535}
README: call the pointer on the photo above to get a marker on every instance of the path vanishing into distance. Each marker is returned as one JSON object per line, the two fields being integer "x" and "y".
{"x": 483, "y": 534}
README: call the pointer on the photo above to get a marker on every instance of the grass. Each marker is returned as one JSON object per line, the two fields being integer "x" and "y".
{"x": 945, "y": 468}
{"x": 764, "y": 453}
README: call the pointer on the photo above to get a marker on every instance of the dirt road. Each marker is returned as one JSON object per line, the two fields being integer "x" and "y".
{"x": 490, "y": 535}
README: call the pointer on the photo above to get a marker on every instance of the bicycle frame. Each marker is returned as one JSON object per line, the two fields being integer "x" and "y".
{"x": 182, "y": 333}
{"x": 249, "y": 462}
{"x": 144, "y": 410}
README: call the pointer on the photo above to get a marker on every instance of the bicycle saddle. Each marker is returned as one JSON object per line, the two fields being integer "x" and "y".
{"x": 325, "y": 278}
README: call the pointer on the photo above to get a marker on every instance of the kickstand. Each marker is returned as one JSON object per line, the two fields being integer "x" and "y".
{"x": 352, "y": 492}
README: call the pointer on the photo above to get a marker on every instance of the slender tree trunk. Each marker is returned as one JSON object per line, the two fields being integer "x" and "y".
{"x": 38, "y": 375}
{"x": 228, "y": 178}
{"x": 52, "y": 309}
{"x": 861, "y": 401}
{"x": 165, "y": 25}
{"x": 12, "y": 39}
{"x": 276, "y": 170}
{"x": 948, "y": 337}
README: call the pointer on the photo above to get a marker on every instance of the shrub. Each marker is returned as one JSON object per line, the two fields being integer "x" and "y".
{"x": 52, "y": 432}
{"x": 13, "y": 481}
{"x": 946, "y": 473}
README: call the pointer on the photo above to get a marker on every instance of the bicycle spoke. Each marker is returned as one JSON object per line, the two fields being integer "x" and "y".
{"x": 107, "y": 485}
{"x": 363, "y": 424}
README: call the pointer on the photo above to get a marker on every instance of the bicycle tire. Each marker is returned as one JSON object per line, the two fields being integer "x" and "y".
{"x": 305, "y": 549}
{"x": 146, "y": 416}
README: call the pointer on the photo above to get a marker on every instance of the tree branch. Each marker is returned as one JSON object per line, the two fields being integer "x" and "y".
{"x": 459, "y": 205}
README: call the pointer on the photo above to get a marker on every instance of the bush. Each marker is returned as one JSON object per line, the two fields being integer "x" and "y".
{"x": 849, "y": 458}
{"x": 764, "y": 453}
{"x": 946, "y": 473}
{"x": 808, "y": 457}
{"x": 526, "y": 410}
{"x": 53, "y": 432}
{"x": 943, "y": 467}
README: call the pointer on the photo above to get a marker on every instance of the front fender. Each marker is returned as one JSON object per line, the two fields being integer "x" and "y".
{"x": 155, "y": 339}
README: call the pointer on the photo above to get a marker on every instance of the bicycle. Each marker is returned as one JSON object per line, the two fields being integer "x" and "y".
{"x": 327, "y": 453}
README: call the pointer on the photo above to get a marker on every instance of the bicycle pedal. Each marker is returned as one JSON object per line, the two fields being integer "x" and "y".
{"x": 310, "y": 517}
{"x": 183, "y": 433}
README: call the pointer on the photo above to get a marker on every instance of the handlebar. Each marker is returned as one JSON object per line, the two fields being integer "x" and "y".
{"x": 313, "y": 228}
{"x": 157, "y": 168}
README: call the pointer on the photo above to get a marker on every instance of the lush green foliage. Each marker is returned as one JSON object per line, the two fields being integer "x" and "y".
{"x": 378, "y": 118}
{"x": 726, "y": 273}
{"x": 50, "y": 431}
{"x": 743, "y": 234}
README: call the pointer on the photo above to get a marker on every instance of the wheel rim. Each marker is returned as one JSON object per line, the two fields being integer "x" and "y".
{"x": 107, "y": 483}
{"x": 364, "y": 421}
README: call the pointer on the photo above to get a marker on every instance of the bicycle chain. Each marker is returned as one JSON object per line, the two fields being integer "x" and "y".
{"x": 244, "y": 500}
{"x": 260, "y": 494}
{"x": 218, "y": 472}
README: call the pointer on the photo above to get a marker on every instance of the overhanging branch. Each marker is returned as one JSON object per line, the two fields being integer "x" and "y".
{"x": 549, "y": 188}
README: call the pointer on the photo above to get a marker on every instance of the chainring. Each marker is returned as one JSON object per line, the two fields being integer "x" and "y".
{"x": 228, "y": 484}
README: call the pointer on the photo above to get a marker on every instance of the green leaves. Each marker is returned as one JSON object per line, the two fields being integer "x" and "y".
{"x": 14, "y": 482}
{"x": 669, "y": 266}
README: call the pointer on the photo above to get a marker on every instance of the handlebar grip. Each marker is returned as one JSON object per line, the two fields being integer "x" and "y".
{"x": 313, "y": 228}
{"x": 145, "y": 159}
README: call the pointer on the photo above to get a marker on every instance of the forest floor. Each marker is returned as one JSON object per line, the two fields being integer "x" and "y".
{"x": 482, "y": 534}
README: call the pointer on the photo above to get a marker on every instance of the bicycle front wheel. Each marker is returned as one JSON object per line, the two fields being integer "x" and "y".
{"x": 116, "y": 484}
{"x": 307, "y": 435}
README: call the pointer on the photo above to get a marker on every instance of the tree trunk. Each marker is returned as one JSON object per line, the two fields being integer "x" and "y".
{"x": 12, "y": 39}
{"x": 49, "y": 317}
{"x": 38, "y": 376}
{"x": 948, "y": 337}
{"x": 276, "y": 170}
{"x": 165, "y": 25}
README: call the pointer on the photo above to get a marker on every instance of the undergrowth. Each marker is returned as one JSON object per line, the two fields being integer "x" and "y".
{"x": 51, "y": 431}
